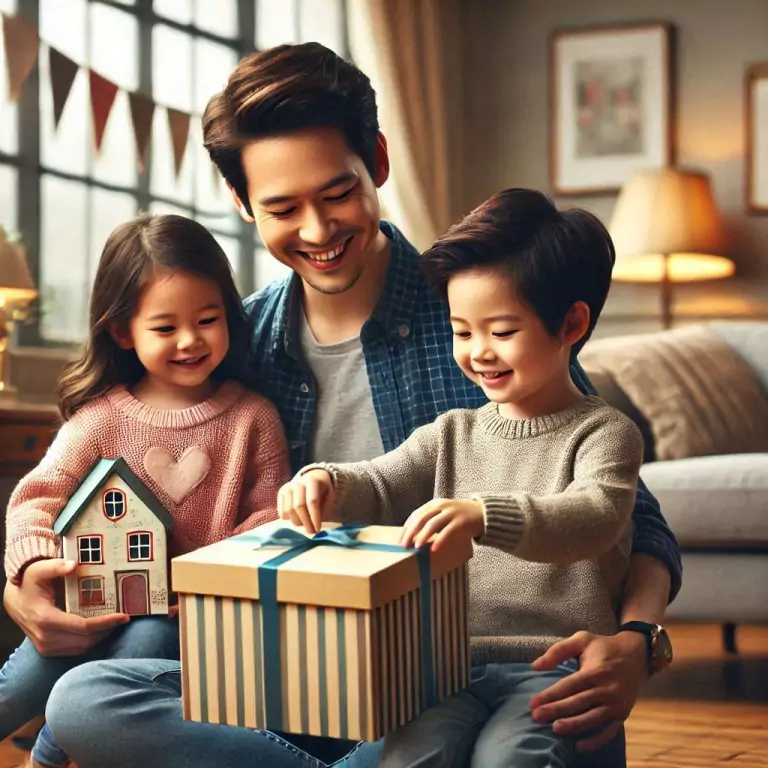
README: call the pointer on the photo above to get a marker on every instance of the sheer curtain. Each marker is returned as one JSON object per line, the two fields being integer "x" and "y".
{"x": 411, "y": 49}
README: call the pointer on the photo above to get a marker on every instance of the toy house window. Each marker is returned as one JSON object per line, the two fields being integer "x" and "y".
{"x": 91, "y": 591}
{"x": 90, "y": 549}
{"x": 140, "y": 546}
{"x": 114, "y": 504}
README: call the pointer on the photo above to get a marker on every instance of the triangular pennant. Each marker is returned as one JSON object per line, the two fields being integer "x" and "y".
{"x": 63, "y": 72}
{"x": 21, "y": 48}
{"x": 103, "y": 94}
{"x": 178, "y": 125}
{"x": 142, "y": 111}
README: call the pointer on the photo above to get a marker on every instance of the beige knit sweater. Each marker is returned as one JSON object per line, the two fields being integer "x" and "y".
{"x": 558, "y": 493}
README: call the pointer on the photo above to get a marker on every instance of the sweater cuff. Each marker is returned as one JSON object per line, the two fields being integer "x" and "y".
{"x": 337, "y": 478}
{"x": 504, "y": 522}
{"x": 26, "y": 552}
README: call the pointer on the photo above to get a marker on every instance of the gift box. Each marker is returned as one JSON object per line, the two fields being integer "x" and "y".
{"x": 344, "y": 634}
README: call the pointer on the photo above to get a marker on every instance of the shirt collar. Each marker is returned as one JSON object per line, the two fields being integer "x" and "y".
{"x": 394, "y": 311}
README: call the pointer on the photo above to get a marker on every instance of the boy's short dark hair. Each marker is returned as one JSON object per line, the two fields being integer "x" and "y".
{"x": 555, "y": 258}
{"x": 286, "y": 89}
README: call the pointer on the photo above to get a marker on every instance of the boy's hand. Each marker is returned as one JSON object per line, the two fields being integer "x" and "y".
{"x": 305, "y": 500}
{"x": 443, "y": 519}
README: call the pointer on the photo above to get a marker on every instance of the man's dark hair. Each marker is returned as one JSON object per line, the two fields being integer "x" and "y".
{"x": 285, "y": 89}
{"x": 555, "y": 258}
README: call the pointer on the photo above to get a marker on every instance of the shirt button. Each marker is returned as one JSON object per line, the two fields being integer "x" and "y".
{"x": 304, "y": 388}
{"x": 403, "y": 330}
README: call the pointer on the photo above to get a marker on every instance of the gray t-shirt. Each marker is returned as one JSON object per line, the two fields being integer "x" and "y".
{"x": 345, "y": 428}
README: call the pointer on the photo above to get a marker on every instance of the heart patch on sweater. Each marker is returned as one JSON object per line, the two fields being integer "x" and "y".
{"x": 177, "y": 478}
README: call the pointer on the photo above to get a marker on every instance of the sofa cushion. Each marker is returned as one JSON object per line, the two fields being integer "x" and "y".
{"x": 713, "y": 501}
{"x": 700, "y": 397}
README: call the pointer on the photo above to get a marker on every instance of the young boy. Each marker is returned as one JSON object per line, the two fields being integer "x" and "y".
{"x": 542, "y": 478}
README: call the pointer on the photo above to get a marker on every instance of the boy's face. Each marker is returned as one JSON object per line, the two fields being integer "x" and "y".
{"x": 315, "y": 204}
{"x": 501, "y": 344}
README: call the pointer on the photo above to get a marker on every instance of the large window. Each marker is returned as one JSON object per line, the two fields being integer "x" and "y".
{"x": 65, "y": 197}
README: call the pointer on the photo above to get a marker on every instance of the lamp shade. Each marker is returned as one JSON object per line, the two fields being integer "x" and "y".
{"x": 667, "y": 220}
{"x": 15, "y": 281}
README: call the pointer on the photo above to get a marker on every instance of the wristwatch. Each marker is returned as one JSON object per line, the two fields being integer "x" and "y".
{"x": 658, "y": 644}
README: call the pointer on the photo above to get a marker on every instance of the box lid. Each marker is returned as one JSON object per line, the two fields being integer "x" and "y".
{"x": 331, "y": 576}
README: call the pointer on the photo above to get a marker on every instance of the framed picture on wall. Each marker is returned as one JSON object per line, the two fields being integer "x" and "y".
{"x": 611, "y": 105}
{"x": 756, "y": 156}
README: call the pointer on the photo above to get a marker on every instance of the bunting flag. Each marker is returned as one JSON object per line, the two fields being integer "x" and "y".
{"x": 142, "y": 111}
{"x": 21, "y": 48}
{"x": 178, "y": 125}
{"x": 63, "y": 71}
{"x": 102, "y": 98}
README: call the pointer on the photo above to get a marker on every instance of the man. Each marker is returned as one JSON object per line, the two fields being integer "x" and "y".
{"x": 355, "y": 352}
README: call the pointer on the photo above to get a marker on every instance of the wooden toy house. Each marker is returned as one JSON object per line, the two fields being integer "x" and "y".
{"x": 116, "y": 530}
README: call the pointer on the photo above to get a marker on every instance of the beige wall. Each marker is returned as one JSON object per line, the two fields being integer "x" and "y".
{"x": 506, "y": 129}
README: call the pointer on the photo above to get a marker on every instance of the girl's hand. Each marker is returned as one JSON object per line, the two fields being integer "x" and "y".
{"x": 306, "y": 499}
{"x": 443, "y": 519}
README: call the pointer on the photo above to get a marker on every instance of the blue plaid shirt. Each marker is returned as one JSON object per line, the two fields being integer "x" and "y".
{"x": 408, "y": 348}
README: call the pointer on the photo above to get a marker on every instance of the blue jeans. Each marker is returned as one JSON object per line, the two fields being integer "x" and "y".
{"x": 127, "y": 714}
{"x": 489, "y": 725}
{"x": 132, "y": 709}
{"x": 27, "y": 678}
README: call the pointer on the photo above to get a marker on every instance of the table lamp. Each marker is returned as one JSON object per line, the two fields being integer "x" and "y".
{"x": 16, "y": 291}
{"x": 667, "y": 230}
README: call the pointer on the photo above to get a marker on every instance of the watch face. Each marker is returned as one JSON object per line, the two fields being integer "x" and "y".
{"x": 663, "y": 648}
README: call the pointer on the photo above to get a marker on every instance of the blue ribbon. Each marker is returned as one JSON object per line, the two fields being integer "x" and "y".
{"x": 298, "y": 543}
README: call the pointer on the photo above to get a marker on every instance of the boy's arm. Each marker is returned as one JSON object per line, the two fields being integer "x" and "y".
{"x": 588, "y": 517}
{"x": 651, "y": 536}
{"x": 268, "y": 468}
{"x": 387, "y": 489}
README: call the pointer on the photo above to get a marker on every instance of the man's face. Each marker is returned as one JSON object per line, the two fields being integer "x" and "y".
{"x": 315, "y": 204}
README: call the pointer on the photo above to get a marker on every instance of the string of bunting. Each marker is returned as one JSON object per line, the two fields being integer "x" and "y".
{"x": 22, "y": 48}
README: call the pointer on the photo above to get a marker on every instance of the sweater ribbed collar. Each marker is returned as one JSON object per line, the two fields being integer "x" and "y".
{"x": 224, "y": 397}
{"x": 515, "y": 429}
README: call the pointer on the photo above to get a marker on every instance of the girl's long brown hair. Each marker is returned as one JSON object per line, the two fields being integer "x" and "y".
{"x": 133, "y": 254}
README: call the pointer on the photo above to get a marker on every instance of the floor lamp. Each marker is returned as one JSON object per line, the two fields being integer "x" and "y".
{"x": 667, "y": 230}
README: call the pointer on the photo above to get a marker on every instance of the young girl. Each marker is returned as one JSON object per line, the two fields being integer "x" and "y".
{"x": 163, "y": 377}
{"x": 542, "y": 479}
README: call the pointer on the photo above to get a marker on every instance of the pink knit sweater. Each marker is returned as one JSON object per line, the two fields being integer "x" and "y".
{"x": 232, "y": 490}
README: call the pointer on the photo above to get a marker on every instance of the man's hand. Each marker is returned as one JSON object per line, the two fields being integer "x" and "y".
{"x": 443, "y": 519}
{"x": 52, "y": 631}
{"x": 600, "y": 695}
{"x": 306, "y": 499}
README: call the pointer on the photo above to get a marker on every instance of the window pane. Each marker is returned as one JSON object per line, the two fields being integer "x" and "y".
{"x": 8, "y": 207}
{"x": 212, "y": 198}
{"x": 213, "y": 65}
{"x": 9, "y": 134}
{"x": 276, "y": 23}
{"x": 63, "y": 24}
{"x": 108, "y": 209}
{"x": 322, "y": 21}
{"x": 219, "y": 17}
{"x": 8, "y": 6}
{"x": 117, "y": 162}
{"x": 161, "y": 207}
{"x": 114, "y": 45}
{"x": 172, "y": 67}
{"x": 268, "y": 268}
{"x": 64, "y": 284}
{"x": 178, "y": 10}
{"x": 231, "y": 247}
{"x": 163, "y": 181}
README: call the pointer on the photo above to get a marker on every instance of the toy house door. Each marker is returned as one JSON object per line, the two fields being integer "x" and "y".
{"x": 133, "y": 593}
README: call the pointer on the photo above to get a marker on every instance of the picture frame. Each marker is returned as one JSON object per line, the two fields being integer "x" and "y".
{"x": 756, "y": 151}
{"x": 611, "y": 105}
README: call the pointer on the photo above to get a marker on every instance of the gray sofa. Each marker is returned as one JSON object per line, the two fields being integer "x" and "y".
{"x": 718, "y": 508}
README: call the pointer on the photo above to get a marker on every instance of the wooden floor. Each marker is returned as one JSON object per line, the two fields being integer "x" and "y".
{"x": 707, "y": 710}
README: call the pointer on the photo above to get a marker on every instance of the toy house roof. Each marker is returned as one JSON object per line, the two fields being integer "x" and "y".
{"x": 94, "y": 481}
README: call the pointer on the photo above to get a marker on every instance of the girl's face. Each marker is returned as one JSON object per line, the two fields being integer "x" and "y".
{"x": 179, "y": 331}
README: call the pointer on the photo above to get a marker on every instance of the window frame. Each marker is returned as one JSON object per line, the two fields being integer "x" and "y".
{"x": 124, "y": 500}
{"x": 139, "y": 546}
{"x": 90, "y": 603}
{"x": 90, "y": 537}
